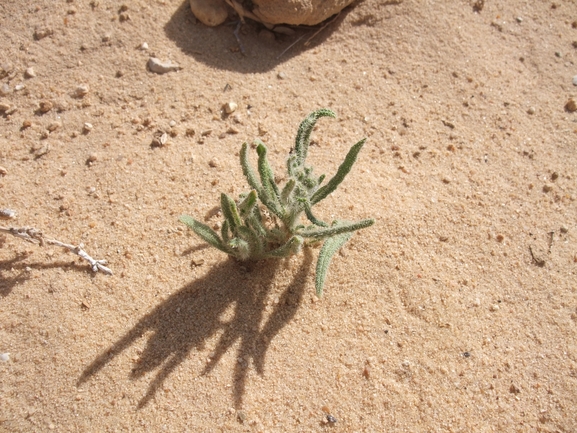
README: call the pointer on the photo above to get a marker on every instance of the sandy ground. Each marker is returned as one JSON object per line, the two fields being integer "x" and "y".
{"x": 455, "y": 312}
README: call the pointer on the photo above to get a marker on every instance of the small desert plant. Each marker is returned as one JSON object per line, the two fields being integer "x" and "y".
{"x": 254, "y": 231}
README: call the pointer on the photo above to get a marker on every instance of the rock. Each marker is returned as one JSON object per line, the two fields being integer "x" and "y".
{"x": 46, "y": 106}
{"x": 296, "y": 12}
{"x": 42, "y": 33}
{"x": 158, "y": 67}
{"x": 575, "y": 80}
{"x": 571, "y": 106}
{"x": 230, "y": 107}
{"x": 210, "y": 12}
{"x": 4, "y": 107}
{"x": 81, "y": 91}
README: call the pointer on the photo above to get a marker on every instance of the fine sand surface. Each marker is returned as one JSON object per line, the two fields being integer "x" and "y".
{"x": 455, "y": 312}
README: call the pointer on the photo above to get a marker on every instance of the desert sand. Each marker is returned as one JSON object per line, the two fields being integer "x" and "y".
{"x": 455, "y": 312}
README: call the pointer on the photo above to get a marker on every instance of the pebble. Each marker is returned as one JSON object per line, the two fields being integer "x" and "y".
{"x": 4, "y": 107}
{"x": 158, "y": 67}
{"x": 494, "y": 307}
{"x": 159, "y": 139}
{"x": 230, "y": 107}
{"x": 4, "y": 357}
{"x": 213, "y": 162}
{"x": 282, "y": 76}
{"x": 144, "y": 46}
{"x": 531, "y": 110}
{"x": 575, "y": 80}
{"x": 7, "y": 214}
{"x": 571, "y": 106}
{"x": 3, "y": 171}
{"x": 19, "y": 87}
{"x": 26, "y": 124}
{"x": 81, "y": 91}
{"x": 54, "y": 126}
{"x": 5, "y": 89}
{"x": 210, "y": 13}
{"x": 46, "y": 106}
{"x": 93, "y": 157}
{"x": 42, "y": 33}
{"x": 87, "y": 127}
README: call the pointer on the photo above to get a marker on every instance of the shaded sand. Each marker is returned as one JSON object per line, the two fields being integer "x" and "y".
{"x": 456, "y": 311}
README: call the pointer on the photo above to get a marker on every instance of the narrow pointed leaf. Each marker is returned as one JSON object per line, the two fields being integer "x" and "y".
{"x": 230, "y": 212}
{"x": 343, "y": 170}
{"x": 287, "y": 190}
{"x": 329, "y": 248}
{"x": 292, "y": 246}
{"x": 246, "y": 207}
{"x": 304, "y": 133}
{"x": 205, "y": 232}
{"x": 248, "y": 171}
{"x": 270, "y": 189}
{"x": 336, "y": 229}
{"x": 311, "y": 217}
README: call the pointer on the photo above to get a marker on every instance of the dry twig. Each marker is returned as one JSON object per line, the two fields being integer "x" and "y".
{"x": 35, "y": 236}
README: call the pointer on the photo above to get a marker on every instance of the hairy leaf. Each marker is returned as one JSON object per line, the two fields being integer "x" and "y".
{"x": 329, "y": 248}
{"x": 338, "y": 228}
{"x": 304, "y": 134}
{"x": 343, "y": 170}
{"x": 205, "y": 232}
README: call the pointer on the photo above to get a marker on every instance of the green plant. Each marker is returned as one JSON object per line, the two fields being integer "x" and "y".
{"x": 253, "y": 231}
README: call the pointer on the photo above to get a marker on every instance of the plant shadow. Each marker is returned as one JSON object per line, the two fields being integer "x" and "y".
{"x": 194, "y": 314}
{"x": 20, "y": 264}
{"x": 218, "y": 47}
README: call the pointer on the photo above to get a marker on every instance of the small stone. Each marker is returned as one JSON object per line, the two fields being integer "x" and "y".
{"x": 4, "y": 357}
{"x": 477, "y": 302}
{"x": 54, "y": 126}
{"x": 172, "y": 123}
{"x": 81, "y": 91}
{"x": 558, "y": 54}
{"x": 547, "y": 187}
{"x": 123, "y": 16}
{"x": 93, "y": 157}
{"x": 210, "y": 13}
{"x": 190, "y": 132}
{"x": 29, "y": 73}
{"x": 158, "y": 67}
{"x": 5, "y": 90}
{"x": 500, "y": 238}
{"x": 230, "y": 107}
{"x": 7, "y": 214}
{"x": 87, "y": 127}
{"x": 26, "y": 124}
{"x": 143, "y": 46}
{"x": 3, "y": 171}
{"x": 159, "y": 139}
{"x": 282, "y": 76}
{"x": 531, "y": 110}
{"x": 106, "y": 38}
{"x": 564, "y": 229}
{"x": 283, "y": 30}
{"x": 575, "y": 80}
{"x": 206, "y": 132}
{"x": 46, "y": 106}
{"x": 42, "y": 33}
{"x": 571, "y": 106}
{"x": 213, "y": 163}
{"x": 519, "y": 20}
{"x": 232, "y": 130}
{"x": 19, "y": 87}
{"x": 514, "y": 390}
{"x": 4, "y": 107}
{"x": 494, "y": 307}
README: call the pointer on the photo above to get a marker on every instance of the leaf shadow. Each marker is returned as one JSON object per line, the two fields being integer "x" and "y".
{"x": 18, "y": 263}
{"x": 189, "y": 318}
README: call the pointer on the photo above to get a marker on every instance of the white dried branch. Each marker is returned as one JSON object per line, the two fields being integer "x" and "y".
{"x": 33, "y": 235}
